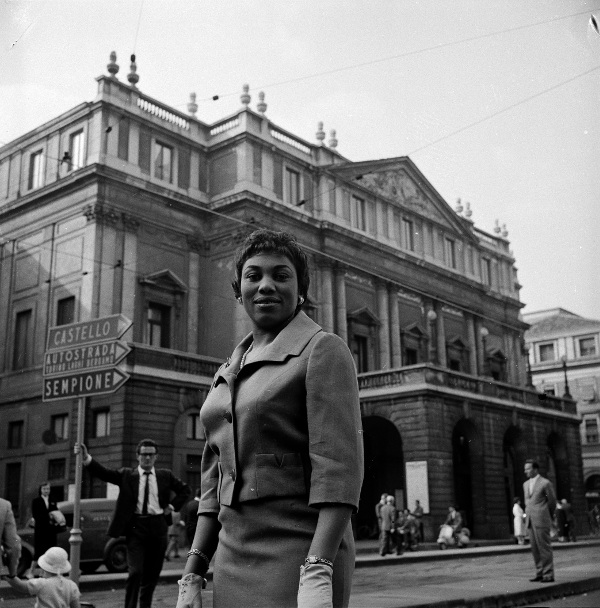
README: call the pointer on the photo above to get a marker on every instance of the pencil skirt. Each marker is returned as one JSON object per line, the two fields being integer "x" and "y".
{"x": 262, "y": 545}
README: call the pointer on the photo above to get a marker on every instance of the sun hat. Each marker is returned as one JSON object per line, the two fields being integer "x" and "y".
{"x": 55, "y": 560}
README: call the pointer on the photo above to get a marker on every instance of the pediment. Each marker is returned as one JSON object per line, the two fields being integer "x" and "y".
{"x": 399, "y": 181}
{"x": 457, "y": 341}
{"x": 415, "y": 329}
{"x": 166, "y": 280}
{"x": 497, "y": 354}
{"x": 364, "y": 316}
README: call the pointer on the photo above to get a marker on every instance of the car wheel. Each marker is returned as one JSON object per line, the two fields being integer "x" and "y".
{"x": 24, "y": 562}
{"x": 115, "y": 558}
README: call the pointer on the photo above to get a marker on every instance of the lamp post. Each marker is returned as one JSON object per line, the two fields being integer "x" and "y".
{"x": 431, "y": 318}
{"x": 529, "y": 374}
{"x": 484, "y": 333}
{"x": 567, "y": 394}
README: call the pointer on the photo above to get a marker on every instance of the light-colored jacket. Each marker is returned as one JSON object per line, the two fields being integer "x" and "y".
{"x": 540, "y": 503}
{"x": 286, "y": 424}
{"x": 8, "y": 535}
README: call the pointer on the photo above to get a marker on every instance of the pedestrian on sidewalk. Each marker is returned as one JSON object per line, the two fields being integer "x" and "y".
{"x": 519, "y": 521}
{"x": 9, "y": 539}
{"x": 540, "y": 505}
{"x": 418, "y": 513}
{"x": 189, "y": 515}
{"x": 381, "y": 503}
{"x": 142, "y": 515}
{"x": 52, "y": 589}
{"x": 173, "y": 534}
{"x": 569, "y": 520}
{"x": 387, "y": 537}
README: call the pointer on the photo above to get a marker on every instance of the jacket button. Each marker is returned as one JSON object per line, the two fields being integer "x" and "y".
{"x": 227, "y": 416}
{"x": 232, "y": 474}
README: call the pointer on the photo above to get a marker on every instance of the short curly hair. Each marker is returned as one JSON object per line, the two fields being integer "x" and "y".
{"x": 269, "y": 241}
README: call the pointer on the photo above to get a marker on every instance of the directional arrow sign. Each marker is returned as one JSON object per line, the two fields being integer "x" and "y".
{"x": 87, "y": 332}
{"x": 96, "y": 382}
{"x": 101, "y": 354}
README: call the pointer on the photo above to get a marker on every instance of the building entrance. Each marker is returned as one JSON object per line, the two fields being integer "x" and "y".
{"x": 384, "y": 472}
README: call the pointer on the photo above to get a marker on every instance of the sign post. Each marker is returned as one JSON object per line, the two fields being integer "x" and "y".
{"x": 80, "y": 361}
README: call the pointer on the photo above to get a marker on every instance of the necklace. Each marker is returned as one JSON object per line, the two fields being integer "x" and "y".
{"x": 243, "y": 361}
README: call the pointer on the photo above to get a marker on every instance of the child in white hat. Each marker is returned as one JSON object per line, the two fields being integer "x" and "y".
{"x": 52, "y": 590}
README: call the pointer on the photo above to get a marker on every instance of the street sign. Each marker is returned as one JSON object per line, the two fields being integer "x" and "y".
{"x": 85, "y": 384}
{"x": 87, "y": 332}
{"x": 101, "y": 354}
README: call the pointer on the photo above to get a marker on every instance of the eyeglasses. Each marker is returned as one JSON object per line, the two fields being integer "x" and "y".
{"x": 146, "y": 455}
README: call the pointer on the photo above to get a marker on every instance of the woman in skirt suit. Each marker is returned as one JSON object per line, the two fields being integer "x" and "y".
{"x": 283, "y": 462}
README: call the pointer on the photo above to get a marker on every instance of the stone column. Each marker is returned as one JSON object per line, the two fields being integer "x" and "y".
{"x": 441, "y": 337}
{"x": 472, "y": 344}
{"x": 6, "y": 272}
{"x": 395, "y": 329}
{"x": 129, "y": 283}
{"x": 341, "y": 321}
{"x": 193, "y": 296}
{"x": 383, "y": 306}
{"x": 327, "y": 298}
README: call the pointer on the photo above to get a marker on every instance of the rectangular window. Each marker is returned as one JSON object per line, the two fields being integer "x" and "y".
{"x": 360, "y": 352}
{"x": 101, "y": 423}
{"x": 408, "y": 234}
{"x": 76, "y": 150}
{"x": 60, "y": 425}
{"x": 159, "y": 318}
{"x": 65, "y": 311}
{"x": 194, "y": 428}
{"x": 291, "y": 187}
{"x": 346, "y": 213}
{"x": 145, "y": 143}
{"x": 23, "y": 346}
{"x": 163, "y": 162}
{"x": 123, "y": 141}
{"x": 36, "y": 170}
{"x": 591, "y": 430}
{"x": 587, "y": 347}
{"x": 12, "y": 484}
{"x": 183, "y": 168}
{"x": 359, "y": 213}
{"x": 470, "y": 262}
{"x": 486, "y": 271}
{"x": 257, "y": 165}
{"x": 450, "y": 247}
{"x": 57, "y": 469}
{"x": 15, "y": 434}
{"x": 547, "y": 352}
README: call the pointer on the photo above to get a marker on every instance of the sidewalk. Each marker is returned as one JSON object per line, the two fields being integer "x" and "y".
{"x": 477, "y": 577}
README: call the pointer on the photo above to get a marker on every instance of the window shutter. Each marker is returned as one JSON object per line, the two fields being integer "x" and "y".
{"x": 278, "y": 176}
{"x": 123, "y": 145}
{"x": 144, "y": 152}
{"x": 183, "y": 168}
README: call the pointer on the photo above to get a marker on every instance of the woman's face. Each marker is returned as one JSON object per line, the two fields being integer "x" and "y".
{"x": 45, "y": 490}
{"x": 269, "y": 287}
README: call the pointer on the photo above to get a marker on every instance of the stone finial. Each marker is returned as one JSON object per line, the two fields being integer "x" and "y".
{"x": 458, "y": 207}
{"x": 113, "y": 67}
{"x": 132, "y": 77}
{"x": 497, "y": 228}
{"x": 504, "y": 231}
{"x": 320, "y": 134}
{"x": 245, "y": 96}
{"x": 468, "y": 211}
{"x": 333, "y": 142}
{"x": 261, "y": 106}
{"x": 192, "y": 105}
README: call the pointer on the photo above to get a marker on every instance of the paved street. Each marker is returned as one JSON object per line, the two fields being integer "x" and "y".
{"x": 424, "y": 578}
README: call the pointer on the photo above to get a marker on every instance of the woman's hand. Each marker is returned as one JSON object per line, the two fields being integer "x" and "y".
{"x": 315, "y": 589}
{"x": 190, "y": 591}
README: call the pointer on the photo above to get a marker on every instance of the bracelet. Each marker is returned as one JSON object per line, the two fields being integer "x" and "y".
{"x": 200, "y": 555}
{"x": 315, "y": 559}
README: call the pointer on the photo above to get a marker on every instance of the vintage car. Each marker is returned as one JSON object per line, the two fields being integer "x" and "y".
{"x": 96, "y": 547}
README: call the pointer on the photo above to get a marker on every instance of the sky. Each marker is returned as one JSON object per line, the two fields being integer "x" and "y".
{"x": 497, "y": 103}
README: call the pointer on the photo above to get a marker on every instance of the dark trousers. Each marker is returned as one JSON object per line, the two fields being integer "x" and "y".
{"x": 146, "y": 546}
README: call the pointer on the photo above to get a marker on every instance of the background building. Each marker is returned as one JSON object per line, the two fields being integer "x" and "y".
{"x": 564, "y": 354}
{"x": 125, "y": 205}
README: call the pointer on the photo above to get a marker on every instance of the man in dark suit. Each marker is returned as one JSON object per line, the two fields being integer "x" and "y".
{"x": 540, "y": 504}
{"x": 142, "y": 515}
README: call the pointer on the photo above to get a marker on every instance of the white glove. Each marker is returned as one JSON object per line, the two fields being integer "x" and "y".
{"x": 190, "y": 591}
{"x": 315, "y": 589}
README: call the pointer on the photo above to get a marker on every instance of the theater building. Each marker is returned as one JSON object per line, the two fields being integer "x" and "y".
{"x": 124, "y": 205}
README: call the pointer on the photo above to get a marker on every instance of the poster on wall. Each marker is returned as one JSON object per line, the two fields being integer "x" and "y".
{"x": 417, "y": 485}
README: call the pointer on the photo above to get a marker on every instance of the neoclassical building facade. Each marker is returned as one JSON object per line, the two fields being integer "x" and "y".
{"x": 126, "y": 205}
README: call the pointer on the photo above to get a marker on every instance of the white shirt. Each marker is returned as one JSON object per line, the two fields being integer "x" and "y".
{"x": 153, "y": 504}
{"x": 532, "y": 483}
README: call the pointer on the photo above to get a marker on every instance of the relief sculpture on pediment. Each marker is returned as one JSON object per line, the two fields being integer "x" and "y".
{"x": 398, "y": 186}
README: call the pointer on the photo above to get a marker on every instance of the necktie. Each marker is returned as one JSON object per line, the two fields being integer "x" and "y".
{"x": 146, "y": 493}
